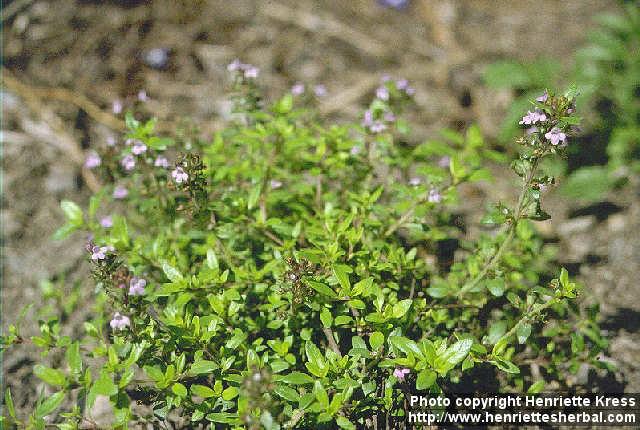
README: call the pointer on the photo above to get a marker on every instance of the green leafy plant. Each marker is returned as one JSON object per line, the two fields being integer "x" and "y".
{"x": 289, "y": 273}
{"x": 606, "y": 72}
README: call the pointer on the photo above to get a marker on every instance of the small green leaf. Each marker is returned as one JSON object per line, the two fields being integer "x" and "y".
{"x": 326, "y": 317}
{"x": 321, "y": 288}
{"x": 49, "y": 405}
{"x": 536, "y": 387}
{"x": 341, "y": 272}
{"x": 104, "y": 385}
{"x": 171, "y": 272}
{"x": 426, "y": 379}
{"x": 8, "y": 401}
{"x": 72, "y": 212}
{"x": 202, "y": 391}
{"x": 401, "y": 308}
{"x": 50, "y": 376}
{"x": 230, "y": 393}
{"x": 523, "y": 331}
{"x": 179, "y": 390}
{"x": 201, "y": 367}
{"x": 376, "y": 339}
{"x": 297, "y": 378}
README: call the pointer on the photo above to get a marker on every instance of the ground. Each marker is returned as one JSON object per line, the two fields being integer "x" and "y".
{"x": 177, "y": 51}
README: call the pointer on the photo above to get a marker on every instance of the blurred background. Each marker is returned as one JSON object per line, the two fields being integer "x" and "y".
{"x": 71, "y": 68}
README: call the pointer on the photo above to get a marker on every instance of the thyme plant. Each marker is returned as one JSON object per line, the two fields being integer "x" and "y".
{"x": 289, "y": 273}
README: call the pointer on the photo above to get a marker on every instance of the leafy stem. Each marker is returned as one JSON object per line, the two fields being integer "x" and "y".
{"x": 511, "y": 229}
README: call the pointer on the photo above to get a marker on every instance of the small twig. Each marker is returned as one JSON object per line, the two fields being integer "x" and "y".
{"x": 65, "y": 95}
{"x": 64, "y": 140}
{"x": 332, "y": 342}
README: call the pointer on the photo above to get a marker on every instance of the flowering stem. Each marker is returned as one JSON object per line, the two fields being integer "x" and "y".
{"x": 470, "y": 285}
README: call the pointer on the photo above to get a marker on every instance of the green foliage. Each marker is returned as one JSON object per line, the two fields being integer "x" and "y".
{"x": 289, "y": 276}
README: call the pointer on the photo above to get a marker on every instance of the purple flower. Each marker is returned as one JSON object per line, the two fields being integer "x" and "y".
{"x": 297, "y": 89}
{"x": 136, "y": 286}
{"x": 532, "y": 130}
{"x": 410, "y": 91}
{"x": 275, "y": 184}
{"x": 139, "y": 148}
{"x": 99, "y": 253}
{"x": 161, "y": 162}
{"x": 368, "y": 118}
{"x": 128, "y": 162}
{"x": 92, "y": 161}
{"x": 111, "y": 141}
{"x": 251, "y": 72}
{"x": 556, "y": 136}
{"x": 402, "y": 84}
{"x": 106, "y": 222}
{"x": 533, "y": 117}
{"x": 119, "y": 322}
{"x": 415, "y": 181}
{"x": 444, "y": 162}
{"x": 382, "y": 93}
{"x": 385, "y": 78}
{"x": 235, "y": 66}
{"x": 400, "y": 373}
{"x": 179, "y": 175}
{"x": 320, "y": 90}
{"x": 543, "y": 98}
{"x": 120, "y": 192}
{"x": 355, "y": 150}
{"x": 377, "y": 127}
{"x": 434, "y": 196}
{"x": 142, "y": 96}
{"x": 116, "y": 107}
{"x": 389, "y": 116}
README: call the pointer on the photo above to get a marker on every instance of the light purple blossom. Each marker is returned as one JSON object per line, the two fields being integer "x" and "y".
{"x": 368, "y": 118}
{"x": 434, "y": 196}
{"x": 179, "y": 175}
{"x": 275, "y": 184}
{"x": 106, "y": 222}
{"x": 128, "y": 162}
{"x": 142, "y": 96}
{"x": 111, "y": 141}
{"x": 444, "y": 161}
{"x": 99, "y": 253}
{"x": 117, "y": 107}
{"x": 139, "y": 148}
{"x": 92, "y": 161}
{"x": 377, "y": 127}
{"x": 533, "y": 117}
{"x": 161, "y": 161}
{"x": 385, "y": 78}
{"x": 119, "y": 322}
{"x": 235, "y": 66}
{"x": 136, "y": 286}
{"x": 543, "y": 98}
{"x": 400, "y": 373}
{"x": 297, "y": 89}
{"x": 532, "y": 130}
{"x": 320, "y": 90}
{"x": 415, "y": 181}
{"x": 382, "y": 93}
{"x": 410, "y": 91}
{"x": 355, "y": 150}
{"x": 120, "y": 192}
{"x": 556, "y": 136}
{"x": 251, "y": 72}
{"x": 402, "y": 84}
{"x": 389, "y": 116}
